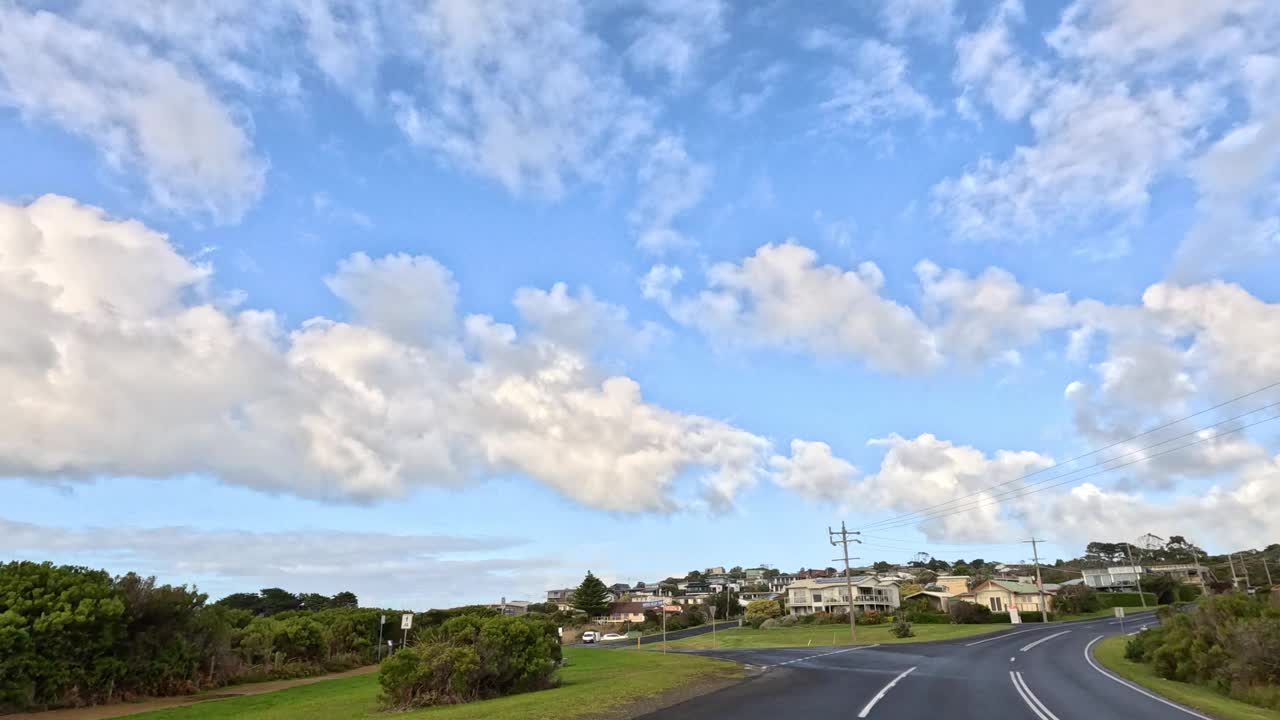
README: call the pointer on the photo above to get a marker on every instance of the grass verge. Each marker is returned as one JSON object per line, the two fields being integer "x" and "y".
{"x": 595, "y": 681}
{"x": 1110, "y": 652}
{"x": 1099, "y": 614}
{"x": 826, "y": 636}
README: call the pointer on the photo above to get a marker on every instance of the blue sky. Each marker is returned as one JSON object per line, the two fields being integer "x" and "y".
{"x": 442, "y": 301}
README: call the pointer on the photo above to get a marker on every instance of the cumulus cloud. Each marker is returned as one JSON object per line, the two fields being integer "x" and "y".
{"x": 782, "y": 297}
{"x": 119, "y": 363}
{"x": 814, "y": 472}
{"x": 145, "y": 114}
{"x": 1121, "y": 97}
{"x": 583, "y": 322}
{"x": 407, "y": 571}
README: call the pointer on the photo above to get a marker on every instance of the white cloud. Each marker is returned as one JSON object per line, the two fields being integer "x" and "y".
{"x": 672, "y": 35}
{"x": 405, "y": 571}
{"x": 118, "y": 364}
{"x": 814, "y": 472}
{"x": 782, "y": 297}
{"x": 930, "y": 19}
{"x": 584, "y": 322}
{"x": 144, "y": 113}
{"x": 671, "y": 183}
{"x": 870, "y": 84}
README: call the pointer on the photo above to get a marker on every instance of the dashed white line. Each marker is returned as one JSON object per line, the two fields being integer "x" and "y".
{"x": 1030, "y": 698}
{"x": 834, "y": 652}
{"x": 866, "y": 709}
{"x": 1030, "y": 645}
{"x": 1088, "y": 656}
{"x": 1001, "y": 637}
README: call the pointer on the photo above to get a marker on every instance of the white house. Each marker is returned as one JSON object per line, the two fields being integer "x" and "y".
{"x": 805, "y": 597}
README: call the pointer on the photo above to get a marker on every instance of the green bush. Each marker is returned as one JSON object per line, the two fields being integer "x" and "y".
{"x": 871, "y": 617}
{"x": 1076, "y": 600}
{"x": 967, "y": 613}
{"x": 1188, "y": 593}
{"x": 1031, "y": 616}
{"x": 928, "y": 618}
{"x": 901, "y": 628}
{"x": 760, "y": 610}
{"x": 473, "y": 658}
{"x": 999, "y": 618}
{"x": 1124, "y": 599}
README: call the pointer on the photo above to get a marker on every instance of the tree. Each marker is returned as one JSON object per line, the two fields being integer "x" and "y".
{"x": 831, "y": 572}
{"x": 242, "y": 601}
{"x": 694, "y": 576}
{"x": 315, "y": 602}
{"x": 591, "y": 597}
{"x": 345, "y": 599}
{"x": 882, "y": 566}
{"x": 1076, "y": 600}
{"x": 772, "y": 573}
{"x": 276, "y": 600}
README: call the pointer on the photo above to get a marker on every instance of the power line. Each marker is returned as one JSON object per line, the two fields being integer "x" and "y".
{"x": 1018, "y": 492}
{"x": 1088, "y": 454}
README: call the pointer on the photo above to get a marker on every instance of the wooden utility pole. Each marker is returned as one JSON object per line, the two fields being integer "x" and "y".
{"x": 1044, "y": 614}
{"x": 844, "y": 540}
{"x": 1137, "y": 574}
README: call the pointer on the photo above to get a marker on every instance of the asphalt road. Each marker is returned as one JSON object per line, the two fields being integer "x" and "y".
{"x": 1029, "y": 672}
{"x": 657, "y": 638}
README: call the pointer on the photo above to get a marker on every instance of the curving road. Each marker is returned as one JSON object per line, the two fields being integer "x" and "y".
{"x": 1029, "y": 672}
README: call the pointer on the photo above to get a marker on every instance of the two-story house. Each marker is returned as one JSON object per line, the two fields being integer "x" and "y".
{"x": 1000, "y": 595}
{"x": 805, "y": 597}
{"x": 1124, "y": 577}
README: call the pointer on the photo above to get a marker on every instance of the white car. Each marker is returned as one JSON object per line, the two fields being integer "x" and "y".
{"x": 612, "y": 637}
{"x": 590, "y": 636}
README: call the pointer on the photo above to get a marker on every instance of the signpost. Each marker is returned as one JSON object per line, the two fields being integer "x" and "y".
{"x": 1014, "y": 617}
{"x": 382, "y": 620}
{"x": 1120, "y": 614}
{"x": 406, "y": 622}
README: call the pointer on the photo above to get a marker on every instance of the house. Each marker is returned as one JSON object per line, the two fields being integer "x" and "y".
{"x": 620, "y": 612}
{"x": 1190, "y": 574}
{"x": 714, "y": 571}
{"x": 937, "y": 601}
{"x": 562, "y": 599}
{"x": 779, "y": 583}
{"x": 514, "y": 607}
{"x": 805, "y": 597}
{"x": 717, "y": 578}
{"x": 1000, "y": 595}
{"x": 755, "y": 574}
{"x": 811, "y": 574}
{"x": 953, "y": 584}
{"x": 694, "y": 587}
{"x": 619, "y": 589}
{"x": 1113, "y": 579}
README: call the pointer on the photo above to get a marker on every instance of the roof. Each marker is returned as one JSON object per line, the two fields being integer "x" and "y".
{"x": 930, "y": 593}
{"x": 619, "y": 608}
{"x": 1014, "y": 587}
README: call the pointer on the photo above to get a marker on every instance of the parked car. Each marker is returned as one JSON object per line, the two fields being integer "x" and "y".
{"x": 612, "y": 637}
{"x": 590, "y": 636}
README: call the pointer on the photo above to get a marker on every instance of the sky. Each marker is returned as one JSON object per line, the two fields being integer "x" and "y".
{"x": 443, "y": 302}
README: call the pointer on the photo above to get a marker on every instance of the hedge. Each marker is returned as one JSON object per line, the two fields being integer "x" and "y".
{"x": 1125, "y": 599}
{"x": 928, "y": 618}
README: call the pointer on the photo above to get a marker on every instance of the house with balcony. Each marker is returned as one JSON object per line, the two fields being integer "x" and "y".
{"x": 805, "y": 597}
{"x": 1000, "y": 595}
{"x": 1186, "y": 573}
{"x": 1113, "y": 579}
{"x": 511, "y": 607}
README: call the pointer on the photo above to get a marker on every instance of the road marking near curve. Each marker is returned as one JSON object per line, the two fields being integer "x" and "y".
{"x": 1001, "y": 637}
{"x": 834, "y": 652}
{"x": 1088, "y": 656}
{"x": 866, "y": 710}
{"x": 1030, "y": 698}
{"x": 1030, "y": 645}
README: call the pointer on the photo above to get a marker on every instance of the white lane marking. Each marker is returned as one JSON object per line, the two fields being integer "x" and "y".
{"x": 834, "y": 652}
{"x": 1088, "y": 656}
{"x": 1001, "y": 637}
{"x": 866, "y": 710}
{"x": 1030, "y": 645}
{"x": 1029, "y": 697}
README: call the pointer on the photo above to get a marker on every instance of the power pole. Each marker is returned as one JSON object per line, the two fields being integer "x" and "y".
{"x": 848, "y": 576}
{"x": 1137, "y": 574}
{"x": 1267, "y": 567}
{"x": 1245, "y": 568}
{"x": 1035, "y": 553}
{"x": 1204, "y": 582}
{"x": 1235, "y": 579}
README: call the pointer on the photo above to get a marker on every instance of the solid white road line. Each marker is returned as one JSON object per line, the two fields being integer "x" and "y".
{"x": 1030, "y": 698}
{"x": 1001, "y": 637}
{"x": 1030, "y": 645}
{"x": 866, "y": 710}
{"x": 1088, "y": 656}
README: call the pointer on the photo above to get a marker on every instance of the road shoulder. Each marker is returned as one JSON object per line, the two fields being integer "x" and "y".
{"x": 1110, "y": 654}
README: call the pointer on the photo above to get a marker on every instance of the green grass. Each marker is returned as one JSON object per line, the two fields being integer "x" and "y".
{"x": 825, "y": 635}
{"x": 1097, "y": 614}
{"x": 594, "y": 681}
{"x": 1110, "y": 652}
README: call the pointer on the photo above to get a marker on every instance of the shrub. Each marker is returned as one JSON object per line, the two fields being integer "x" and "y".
{"x": 1124, "y": 599}
{"x": 1031, "y": 616}
{"x": 928, "y": 618}
{"x": 1188, "y": 593}
{"x": 967, "y": 613}
{"x": 871, "y": 617}
{"x": 999, "y": 618}
{"x": 760, "y": 610}
{"x": 471, "y": 658}
{"x": 901, "y": 628}
{"x": 1076, "y": 600}
{"x": 822, "y": 618}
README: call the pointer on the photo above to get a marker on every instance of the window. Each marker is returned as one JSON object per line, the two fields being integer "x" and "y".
{"x": 797, "y": 596}
{"x": 817, "y": 596}
{"x": 996, "y": 605}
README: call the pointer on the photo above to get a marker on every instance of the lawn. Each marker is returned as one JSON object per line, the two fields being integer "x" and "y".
{"x": 826, "y": 635}
{"x": 594, "y": 681}
{"x": 1103, "y": 613}
{"x": 1110, "y": 653}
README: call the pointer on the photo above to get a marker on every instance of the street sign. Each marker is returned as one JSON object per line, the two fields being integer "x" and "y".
{"x": 1119, "y": 612}
{"x": 406, "y": 621}
{"x": 653, "y": 603}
